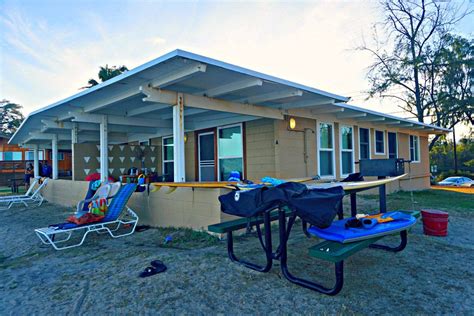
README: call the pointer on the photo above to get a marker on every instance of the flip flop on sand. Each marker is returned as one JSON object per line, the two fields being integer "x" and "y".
{"x": 157, "y": 267}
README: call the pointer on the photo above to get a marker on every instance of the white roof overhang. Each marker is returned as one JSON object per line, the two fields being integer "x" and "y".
{"x": 138, "y": 102}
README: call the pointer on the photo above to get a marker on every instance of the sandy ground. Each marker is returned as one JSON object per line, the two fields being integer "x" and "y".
{"x": 432, "y": 276}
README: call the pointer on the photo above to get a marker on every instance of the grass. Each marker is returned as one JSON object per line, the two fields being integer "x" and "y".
{"x": 430, "y": 199}
{"x": 4, "y": 191}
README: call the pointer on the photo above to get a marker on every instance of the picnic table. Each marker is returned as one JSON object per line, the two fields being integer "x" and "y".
{"x": 331, "y": 251}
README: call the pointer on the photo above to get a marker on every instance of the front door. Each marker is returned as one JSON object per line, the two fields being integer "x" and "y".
{"x": 206, "y": 157}
{"x": 392, "y": 145}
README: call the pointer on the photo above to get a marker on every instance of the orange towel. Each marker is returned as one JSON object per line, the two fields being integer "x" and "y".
{"x": 85, "y": 219}
{"x": 379, "y": 218}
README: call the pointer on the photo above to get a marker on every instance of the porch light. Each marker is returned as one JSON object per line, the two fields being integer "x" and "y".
{"x": 185, "y": 138}
{"x": 292, "y": 123}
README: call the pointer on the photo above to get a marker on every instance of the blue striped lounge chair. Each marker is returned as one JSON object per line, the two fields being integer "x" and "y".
{"x": 118, "y": 215}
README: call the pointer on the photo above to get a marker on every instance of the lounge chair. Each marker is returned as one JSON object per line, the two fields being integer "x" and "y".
{"x": 113, "y": 220}
{"x": 106, "y": 191}
{"x": 28, "y": 193}
{"x": 31, "y": 197}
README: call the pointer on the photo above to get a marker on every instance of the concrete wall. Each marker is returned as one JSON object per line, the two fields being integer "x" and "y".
{"x": 184, "y": 207}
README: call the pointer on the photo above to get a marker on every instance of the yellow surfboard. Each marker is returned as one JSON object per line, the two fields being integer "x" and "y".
{"x": 232, "y": 185}
{"x": 350, "y": 186}
{"x": 215, "y": 184}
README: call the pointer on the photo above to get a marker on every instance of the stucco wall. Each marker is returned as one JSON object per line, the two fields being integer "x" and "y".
{"x": 289, "y": 150}
{"x": 260, "y": 148}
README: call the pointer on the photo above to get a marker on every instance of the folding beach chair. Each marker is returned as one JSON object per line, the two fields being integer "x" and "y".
{"x": 31, "y": 197}
{"x": 114, "y": 219}
{"x": 106, "y": 191}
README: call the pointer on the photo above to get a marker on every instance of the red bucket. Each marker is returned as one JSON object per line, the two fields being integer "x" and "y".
{"x": 435, "y": 223}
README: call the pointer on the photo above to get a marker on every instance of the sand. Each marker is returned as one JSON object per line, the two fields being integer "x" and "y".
{"x": 432, "y": 276}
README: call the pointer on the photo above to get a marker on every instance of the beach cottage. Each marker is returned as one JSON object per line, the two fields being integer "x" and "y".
{"x": 193, "y": 118}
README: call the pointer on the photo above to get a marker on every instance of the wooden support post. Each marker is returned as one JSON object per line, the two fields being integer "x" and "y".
{"x": 74, "y": 131}
{"x": 36, "y": 162}
{"x": 104, "y": 159}
{"x": 54, "y": 147}
{"x": 178, "y": 139}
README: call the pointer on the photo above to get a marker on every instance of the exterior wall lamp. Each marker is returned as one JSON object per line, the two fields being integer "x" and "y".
{"x": 292, "y": 123}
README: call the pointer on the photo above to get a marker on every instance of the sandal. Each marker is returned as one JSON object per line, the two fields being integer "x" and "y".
{"x": 159, "y": 265}
{"x": 149, "y": 271}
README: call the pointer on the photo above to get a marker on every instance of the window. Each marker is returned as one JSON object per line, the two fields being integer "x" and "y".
{"x": 380, "y": 142}
{"x": 392, "y": 145}
{"x": 230, "y": 151}
{"x": 326, "y": 150}
{"x": 29, "y": 155}
{"x": 364, "y": 143}
{"x": 60, "y": 155}
{"x": 168, "y": 156}
{"x": 347, "y": 150}
{"x": 12, "y": 155}
{"x": 414, "y": 148}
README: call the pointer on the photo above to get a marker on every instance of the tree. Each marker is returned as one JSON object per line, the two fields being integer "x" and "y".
{"x": 406, "y": 53}
{"x": 106, "y": 73}
{"x": 456, "y": 67}
{"x": 11, "y": 117}
{"x": 451, "y": 72}
{"x": 442, "y": 154}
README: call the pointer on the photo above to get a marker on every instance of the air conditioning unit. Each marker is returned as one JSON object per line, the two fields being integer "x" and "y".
{"x": 382, "y": 167}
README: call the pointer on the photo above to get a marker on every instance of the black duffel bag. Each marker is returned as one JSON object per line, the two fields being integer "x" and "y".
{"x": 244, "y": 203}
{"x": 256, "y": 201}
{"x": 317, "y": 206}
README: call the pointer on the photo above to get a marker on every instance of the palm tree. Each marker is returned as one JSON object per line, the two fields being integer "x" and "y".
{"x": 106, "y": 73}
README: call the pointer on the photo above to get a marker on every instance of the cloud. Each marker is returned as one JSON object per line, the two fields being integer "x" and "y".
{"x": 156, "y": 41}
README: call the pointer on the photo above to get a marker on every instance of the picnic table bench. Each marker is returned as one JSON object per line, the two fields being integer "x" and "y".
{"x": 230, "y": 227}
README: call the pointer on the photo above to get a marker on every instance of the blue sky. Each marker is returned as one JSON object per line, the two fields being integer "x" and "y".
{"x": 49, "y": 49}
